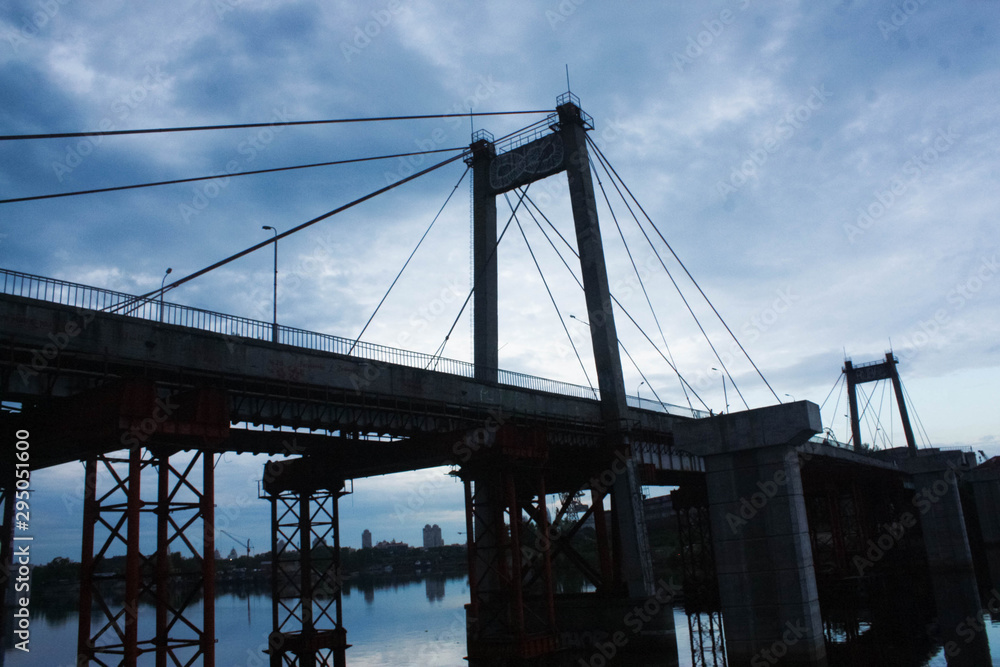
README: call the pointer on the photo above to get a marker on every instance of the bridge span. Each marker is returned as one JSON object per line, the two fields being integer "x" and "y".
{"x": 219, "y": 375}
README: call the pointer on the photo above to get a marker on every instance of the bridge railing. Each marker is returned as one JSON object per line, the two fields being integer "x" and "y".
{"x": 53, "y": 290}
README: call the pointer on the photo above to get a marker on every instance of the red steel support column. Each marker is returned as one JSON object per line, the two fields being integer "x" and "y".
{"x": 516, "y": 579}
{"x": 306, "y": 658}
{"x": 274, "y": 640}
{"x": 601, "y": 529}
{"x": 133, "y": 558}
{"x": 208, "y": 560}
{"x": 339, "y": 653}
{"x": 470, "y": 544}
{"x": 162, "y": 557}
{"x": 550, "y": 602}
{"x": 83, "y": 645}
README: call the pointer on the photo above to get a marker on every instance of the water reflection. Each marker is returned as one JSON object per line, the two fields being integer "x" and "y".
{"x": 414, "y": 620}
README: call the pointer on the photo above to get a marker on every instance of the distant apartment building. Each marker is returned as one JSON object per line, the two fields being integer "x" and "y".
{"x": 366, "y": 539}
{"x": 432, "y": 536}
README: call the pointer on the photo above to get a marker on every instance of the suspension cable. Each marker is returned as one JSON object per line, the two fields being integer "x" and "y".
{"x": 840, "y": 378}
{"x": 551, "y": 297}
{"x": 436, "y": 357}
{"x": 243, "y": 126}
{"x": 613, "y": 297}
{"x": 215, "y": 176}
{"x": 678, "y": 289}
{"x": 642, "y": 283}
{"x": 926, "y": 436}
{"x": 407, "y": 262}
{"x": 684, "y": 267}
{"x": 275, "y": 238}
{"x": 646, "y": 382}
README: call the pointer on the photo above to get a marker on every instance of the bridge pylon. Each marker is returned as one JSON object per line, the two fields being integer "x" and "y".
{"x": 510, "y": 599}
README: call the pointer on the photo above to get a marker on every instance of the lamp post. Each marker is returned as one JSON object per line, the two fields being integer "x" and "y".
{"x": 725, "y": 395}
{"x": 274, "y": 321}
{"x": 637, "y": 392}
{"x": 791, "y": 397}
{"x": 162, "y": 281}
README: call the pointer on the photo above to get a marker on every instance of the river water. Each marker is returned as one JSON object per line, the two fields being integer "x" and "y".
{"x": 390, "y": 622}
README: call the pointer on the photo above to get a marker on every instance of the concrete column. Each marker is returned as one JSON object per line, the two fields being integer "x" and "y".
{"x": 767, "y": 583}
{"x": 484, "y": 268}
{"x": 634, "y": 565}
{"x": 985, "y": 485}
{"x": 949, "y": 559}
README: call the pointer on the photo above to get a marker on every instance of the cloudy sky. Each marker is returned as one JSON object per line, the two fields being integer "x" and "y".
{"x": 826, "y": 171}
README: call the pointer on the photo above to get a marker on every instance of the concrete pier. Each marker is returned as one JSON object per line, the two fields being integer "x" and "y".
{"x": 984, "y": 483}
{"x": 949, "y": 558}
{"x": 767, "y": 583}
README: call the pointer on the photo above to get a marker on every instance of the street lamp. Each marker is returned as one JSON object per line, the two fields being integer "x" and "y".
{"x": 791, "y": 397}
{"x": 274, "y": 322}
{"x": 725, "y": 395}
{"x": 637, "y": 392}
{"x": 161, "y": 291}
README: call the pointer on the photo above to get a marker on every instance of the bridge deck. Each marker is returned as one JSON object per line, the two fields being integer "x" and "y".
{"x": 60, "y": 341}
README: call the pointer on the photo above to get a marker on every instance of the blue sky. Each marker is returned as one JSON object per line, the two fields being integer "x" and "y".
{"x": 827, "y": 172}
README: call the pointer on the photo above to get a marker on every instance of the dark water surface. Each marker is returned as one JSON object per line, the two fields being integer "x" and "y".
{"x": 418, "y": 622}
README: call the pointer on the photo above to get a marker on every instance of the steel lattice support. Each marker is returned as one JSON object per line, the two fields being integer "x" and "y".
{"x": 512, "y": 608}
{"x": 180, "y": 504}
{"x": 511, "y": 614}
{"x": 112, "y": 521}
{"x": 701, "y": 591}
{"x": 306, "y": 607}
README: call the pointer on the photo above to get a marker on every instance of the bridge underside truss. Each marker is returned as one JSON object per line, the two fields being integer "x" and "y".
{"x": 518, "y": 612}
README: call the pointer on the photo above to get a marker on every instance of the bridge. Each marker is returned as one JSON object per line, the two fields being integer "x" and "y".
{"x": 142, "y": 389}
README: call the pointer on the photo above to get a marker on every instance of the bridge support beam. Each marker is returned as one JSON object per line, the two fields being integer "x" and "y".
{"x": 306, "y": 579}
{"x": 515, "y": 615}
{"x": 767, "y": 583}
{"x": 985, "y": 486}
{"x": 949, "y": 558}
{"x": 511, "y": 614}
{"x": 627, "y": 505}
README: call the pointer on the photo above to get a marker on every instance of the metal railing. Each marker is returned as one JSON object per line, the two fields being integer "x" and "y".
{"x": 75, "y": 295}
